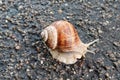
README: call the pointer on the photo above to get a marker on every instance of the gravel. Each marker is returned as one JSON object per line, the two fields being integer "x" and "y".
{"x": 24, "y": 56}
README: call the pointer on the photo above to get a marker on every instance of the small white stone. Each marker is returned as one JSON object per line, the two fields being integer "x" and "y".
{"x": 0, "y": 1}
{"x": 90, "y": 70}
{"x": 20, "y": 7}
{"x": 41, "y": 62}
{"x": 28, "y": 70}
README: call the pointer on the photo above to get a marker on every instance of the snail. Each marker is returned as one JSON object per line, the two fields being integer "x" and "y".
{"x": 63, "y": 42}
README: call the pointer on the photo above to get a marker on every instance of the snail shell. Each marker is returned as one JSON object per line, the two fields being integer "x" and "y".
{"x": 63, "y": 42}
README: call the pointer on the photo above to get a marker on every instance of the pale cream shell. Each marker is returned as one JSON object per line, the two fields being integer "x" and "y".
{"x": 49, "y": 35}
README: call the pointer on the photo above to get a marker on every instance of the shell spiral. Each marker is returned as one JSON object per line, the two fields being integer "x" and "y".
{"x": 61, "y": 35}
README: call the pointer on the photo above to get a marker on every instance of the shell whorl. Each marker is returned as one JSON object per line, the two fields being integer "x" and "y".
{"x": 61, "y": 35}
{"x": 44, "y": 35}
{"x": 49, "y": 35}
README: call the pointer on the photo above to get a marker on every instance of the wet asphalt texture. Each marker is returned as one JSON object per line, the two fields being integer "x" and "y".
{"x": 24, "y": 56}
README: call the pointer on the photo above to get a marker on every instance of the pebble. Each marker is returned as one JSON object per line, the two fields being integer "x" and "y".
{"x": 99, "y": 30}
{"x": 66, "y": 4}
{"x": 117, "y": 65}
{"x": 117, "y": 44}
{"x": 20, "y": 7}
{"x": 0, "y": 1}
{"x": 106, "y": 23}
{"x": 61, "y": 79}
{"x": 107, "y": 67}
{"x": 51, "y": 12}
{"x": 38, "y": 49}
{"x": 90, "y": 70}
{"x": 100, "y": 61}
{"x": 21, "y": 31}
{"x": 111, "y": 55}
{"x": 0, "y": 37}
{"x": 60, "y": 11}
{"x": 67, "y": 79}
{"x": 17, "y": 47}
{"x": 41, "y": 62}
{"x": 27, "y": 70}
{"x": 107, "y": 74}
{"x": 118, "y": 62}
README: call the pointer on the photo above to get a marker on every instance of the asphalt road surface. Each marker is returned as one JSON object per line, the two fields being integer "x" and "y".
{"x": 24, "y": 56}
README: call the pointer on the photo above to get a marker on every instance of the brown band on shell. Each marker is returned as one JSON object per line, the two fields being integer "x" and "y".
{"x": 67, "y": 36}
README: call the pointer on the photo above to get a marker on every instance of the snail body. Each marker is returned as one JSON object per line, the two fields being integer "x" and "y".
{"x": 63, "y": 42}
